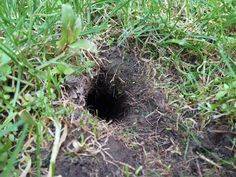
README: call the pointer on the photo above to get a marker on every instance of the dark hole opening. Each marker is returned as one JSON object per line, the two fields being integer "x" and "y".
{"x": 106, "y": 99}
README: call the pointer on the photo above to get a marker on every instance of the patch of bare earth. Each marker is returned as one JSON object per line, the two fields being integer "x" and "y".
{"x": 135, "y": 134}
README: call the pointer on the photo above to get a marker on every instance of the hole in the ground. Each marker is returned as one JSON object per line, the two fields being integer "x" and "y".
{"x": 106, "y": 99}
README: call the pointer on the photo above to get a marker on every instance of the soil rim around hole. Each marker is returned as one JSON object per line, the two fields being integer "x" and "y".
{"x": 157, "y": 135}
{"x": 127, "y": 74}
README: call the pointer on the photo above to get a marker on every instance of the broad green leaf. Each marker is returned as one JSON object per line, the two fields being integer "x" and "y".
{"x": 4, "y": 59}
{"x": 27, "y": 117}
{"x": 84, "y": 44}
{"x": 233, "y": 84}
{"x": 28, "y": 97}
{"x": 68, "y": 71}
{"x": 226, "y": 87}
{"x": 8, "y": 89}
{"x": 11, "y": 137}
{"x": 71, "y": 25}
{"x": 3, "y": 158}
{"x": 224, "y": 106}
{"x": 4, "y": 71}
{"x": 64, "y": 69}
{"x": 221, "y": 94}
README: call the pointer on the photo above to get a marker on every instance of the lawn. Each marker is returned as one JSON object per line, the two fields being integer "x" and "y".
{"x": 117, "y": 88}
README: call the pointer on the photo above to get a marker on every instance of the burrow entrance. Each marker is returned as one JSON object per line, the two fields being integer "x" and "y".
{"x": 106, "y": 97}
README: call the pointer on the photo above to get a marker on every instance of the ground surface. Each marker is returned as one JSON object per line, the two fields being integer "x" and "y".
{"x": 162, "y": 102}
{"x": 142, "y": 139}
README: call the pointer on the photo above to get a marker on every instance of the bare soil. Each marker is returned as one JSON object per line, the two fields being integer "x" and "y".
{"x": 136, "y": 132}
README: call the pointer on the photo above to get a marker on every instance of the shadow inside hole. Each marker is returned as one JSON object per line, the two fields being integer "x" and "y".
{"x": 105, "y": 99}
